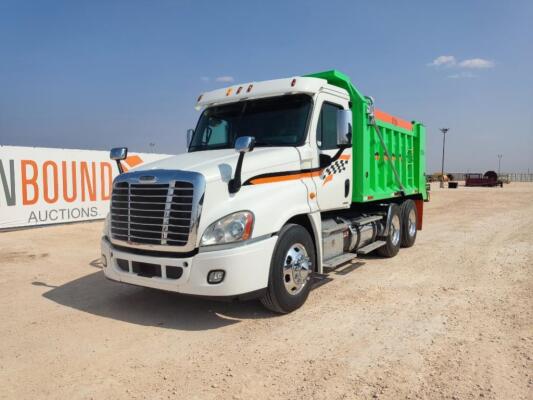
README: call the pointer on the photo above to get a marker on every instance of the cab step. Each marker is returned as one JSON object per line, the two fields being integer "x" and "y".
{"x": 338, "y": 260}
{"x": 371, "y": 247}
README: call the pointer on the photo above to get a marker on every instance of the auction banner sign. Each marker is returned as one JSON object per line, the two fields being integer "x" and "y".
{"x": 40, "y": 186}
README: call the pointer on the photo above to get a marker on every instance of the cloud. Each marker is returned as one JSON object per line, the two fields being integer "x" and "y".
{"x": 462, "y": 75}
{"x": 443, "y": 61}
{"x": 452, "y": 62}
{"x": 476, "y": 63}
{"x": 225, "y": 79}
{"x": 204, "y": 78}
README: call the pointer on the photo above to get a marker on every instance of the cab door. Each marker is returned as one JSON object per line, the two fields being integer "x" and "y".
{"x": 333, "y": 182}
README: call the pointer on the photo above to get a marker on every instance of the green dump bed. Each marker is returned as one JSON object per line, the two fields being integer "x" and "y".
{"x": 373, "y": 175}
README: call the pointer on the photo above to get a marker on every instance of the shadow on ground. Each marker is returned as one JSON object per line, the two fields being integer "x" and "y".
{"x": 97, "y": 295}
{"x": 347, "y": 268}
{"x": 96, "y": 263}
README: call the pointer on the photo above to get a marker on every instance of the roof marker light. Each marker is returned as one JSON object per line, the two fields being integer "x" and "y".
{"x": 249, "y": 88}
{"x": 239, "y": 90}
{"x": 228, "y": 92}
{"x": 293, "y": 82}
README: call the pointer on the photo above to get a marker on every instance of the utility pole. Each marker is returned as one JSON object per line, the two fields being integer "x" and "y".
{"x": 499, "y": 162}
{"x": 443, "y": 130}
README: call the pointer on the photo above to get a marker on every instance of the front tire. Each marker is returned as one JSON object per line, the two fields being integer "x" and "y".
{"x": 393, "y": 238}
{"x": 290, "y": 270}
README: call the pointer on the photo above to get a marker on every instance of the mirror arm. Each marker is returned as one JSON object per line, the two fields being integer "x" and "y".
{"x": 234, "y": 185}
{"x": 338, "y": 154}
{"x": 243, "y": 145}
{"x": 119, "y": 165}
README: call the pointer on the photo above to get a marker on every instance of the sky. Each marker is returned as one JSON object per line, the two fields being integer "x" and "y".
{"x": 100, "y": 74}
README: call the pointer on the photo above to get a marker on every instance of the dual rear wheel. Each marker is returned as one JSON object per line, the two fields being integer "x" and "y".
{"x": 402, "y": 229}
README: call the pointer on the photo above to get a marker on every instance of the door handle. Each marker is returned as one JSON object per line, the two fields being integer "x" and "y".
{"x": 346, "y": 187}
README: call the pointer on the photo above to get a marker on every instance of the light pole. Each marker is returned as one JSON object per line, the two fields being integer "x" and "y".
{"x": 499, "y": 162}
{"x": 443, "y": 130}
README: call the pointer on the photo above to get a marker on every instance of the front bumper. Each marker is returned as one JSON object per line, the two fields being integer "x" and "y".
{"x": 246, "y": 269}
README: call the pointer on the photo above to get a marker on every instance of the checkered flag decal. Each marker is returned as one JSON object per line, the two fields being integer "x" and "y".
{"x": 335, "y": 168}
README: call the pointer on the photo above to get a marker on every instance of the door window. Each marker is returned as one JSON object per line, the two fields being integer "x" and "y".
{"x": 326, "y": 133}
{"x": 215, "y": 133}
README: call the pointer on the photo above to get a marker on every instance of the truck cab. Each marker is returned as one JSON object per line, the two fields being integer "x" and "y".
{"x": 265, "y": 199}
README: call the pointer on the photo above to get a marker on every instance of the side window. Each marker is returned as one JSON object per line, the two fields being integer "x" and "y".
{"x": 216, "y": 132}
{"x": 326, "y": 131}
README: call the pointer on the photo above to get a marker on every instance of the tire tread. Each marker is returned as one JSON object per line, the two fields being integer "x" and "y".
{"x": 406, "y": 241}
{"x": 389, "y": 250}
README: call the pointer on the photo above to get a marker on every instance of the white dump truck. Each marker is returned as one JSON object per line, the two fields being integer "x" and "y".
{"x": 283, "y": 180}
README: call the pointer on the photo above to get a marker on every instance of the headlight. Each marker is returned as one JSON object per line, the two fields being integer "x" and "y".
{"x": 232, "y": 228}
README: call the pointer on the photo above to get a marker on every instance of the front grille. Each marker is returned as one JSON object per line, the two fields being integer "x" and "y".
{"x": 153, "y": 214}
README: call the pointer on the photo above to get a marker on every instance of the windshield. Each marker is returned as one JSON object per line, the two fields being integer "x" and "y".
{"x": 276, "y": 121}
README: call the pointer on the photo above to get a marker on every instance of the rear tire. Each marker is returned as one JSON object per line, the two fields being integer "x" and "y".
{"x": 393, "y": 239}
{"x": 290, "y": 270}
{"x": 409, "y": 220}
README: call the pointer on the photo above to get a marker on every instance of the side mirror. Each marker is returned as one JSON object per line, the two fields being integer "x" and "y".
{"x": 190, "y": 133}
{"x": 118, "y": 154}
{"x": 244, "y": 144}
{"x": 344, "y": 127}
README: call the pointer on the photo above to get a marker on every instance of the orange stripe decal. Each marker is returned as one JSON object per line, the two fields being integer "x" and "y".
{"x": 390, "y": 119}
{"x": 339, "y": 162}
{"x": 133, "y": 161}
{"x": 130, "y": 162}
{"x": 282, "y": 178}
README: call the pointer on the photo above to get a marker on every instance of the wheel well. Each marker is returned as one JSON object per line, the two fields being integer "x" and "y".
{"x": 303, "y": 220}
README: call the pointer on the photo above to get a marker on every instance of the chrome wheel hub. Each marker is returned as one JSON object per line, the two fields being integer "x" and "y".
{"x": 412, "y": 223}
{"x": 296, "y": 269}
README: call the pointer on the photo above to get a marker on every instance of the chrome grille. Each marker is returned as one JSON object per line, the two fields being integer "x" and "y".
{"x": 152, "y": 213}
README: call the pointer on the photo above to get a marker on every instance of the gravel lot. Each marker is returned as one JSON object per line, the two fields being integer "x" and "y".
{"x": 451, "y": 318}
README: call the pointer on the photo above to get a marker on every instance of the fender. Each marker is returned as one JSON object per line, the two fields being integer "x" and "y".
{"x": 313, "y": 223}
{"x": 272, "y": 205}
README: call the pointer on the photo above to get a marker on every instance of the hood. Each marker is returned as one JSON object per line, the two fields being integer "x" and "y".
{"x": 220, "y": 164}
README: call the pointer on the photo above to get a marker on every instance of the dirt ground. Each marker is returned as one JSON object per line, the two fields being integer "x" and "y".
{"x": 450, "y": 318}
